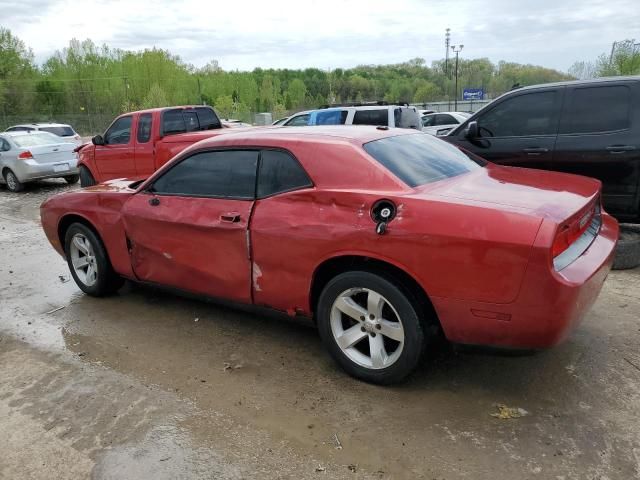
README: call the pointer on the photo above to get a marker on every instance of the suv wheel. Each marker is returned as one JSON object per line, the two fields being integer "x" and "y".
{"x": 628, "y": 248}
{"x": 371, "y": 327}
{"x": 71, "y": 179}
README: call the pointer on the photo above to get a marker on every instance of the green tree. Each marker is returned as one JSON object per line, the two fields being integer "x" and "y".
{"x": 224, "y": 106}
{"x": 155, "y": 98}
{"x": 297, "y": 93}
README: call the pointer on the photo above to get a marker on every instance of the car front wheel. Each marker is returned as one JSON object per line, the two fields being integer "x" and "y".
{"x": 371, "y": 327}
{"x": 89, "y": 263}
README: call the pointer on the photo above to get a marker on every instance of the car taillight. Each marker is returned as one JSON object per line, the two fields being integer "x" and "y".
{"x": 26, "y": 155}
{"x": 569, "y": 233}
{"x": 561, "y": 242}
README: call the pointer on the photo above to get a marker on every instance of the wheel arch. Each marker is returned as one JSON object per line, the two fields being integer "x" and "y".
{"x": 69, "y": 219}
{"x": 334, "y": 266}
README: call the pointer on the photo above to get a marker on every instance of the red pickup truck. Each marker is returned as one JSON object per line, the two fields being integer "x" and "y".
{"x": 136, "y": 144}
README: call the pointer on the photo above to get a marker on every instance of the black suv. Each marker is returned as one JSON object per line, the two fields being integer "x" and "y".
{"x": 588, "y": 127}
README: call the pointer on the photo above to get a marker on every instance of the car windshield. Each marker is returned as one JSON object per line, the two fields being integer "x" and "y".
{"x": 420, "y": 158}
{"x": 35, "y": 139}
{"x": 59, "y": 131}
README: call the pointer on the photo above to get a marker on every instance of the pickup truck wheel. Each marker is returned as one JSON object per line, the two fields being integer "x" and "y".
{"x": 89, "y": 263}
{"x": 13, "y": 184}
{"x": 628, "y": 248}
{"x": 71, "y": 179}
{"x": 371, "y": 327}
{"x": 86, "y": 179}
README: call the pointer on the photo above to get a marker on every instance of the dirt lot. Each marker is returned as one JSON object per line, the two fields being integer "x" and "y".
{"x": 150, "y": 385}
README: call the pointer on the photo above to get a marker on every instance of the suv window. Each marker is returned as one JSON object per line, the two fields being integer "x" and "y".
{"x": 424, "y": 158}
{"x": 328, "y": 117}
{"x": 144, "y": 128}
{"x": 181, "y": 120}
{"x": 597, "y": 109}
{"x": 429, "y": 120}
{"x": 280, "y": 172}
{"x": 523, "y": 115}
{"x": 226, "y": 174}
{"x": 445, "y": 119}
{"x": 371, "y": 117}
{"x": 119, "y": 132}
{"x": 299, "y": 121}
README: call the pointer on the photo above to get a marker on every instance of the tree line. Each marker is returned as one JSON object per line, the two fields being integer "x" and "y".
{"x": 87, "y": 79}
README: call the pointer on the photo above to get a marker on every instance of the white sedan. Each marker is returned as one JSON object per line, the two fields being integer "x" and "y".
{"x": 441, "y": 123}
{"x": 29, "y": 156}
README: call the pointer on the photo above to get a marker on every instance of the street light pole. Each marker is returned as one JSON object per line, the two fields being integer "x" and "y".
{"x": 456, "y": 49}
{"x": 447, "y": 43}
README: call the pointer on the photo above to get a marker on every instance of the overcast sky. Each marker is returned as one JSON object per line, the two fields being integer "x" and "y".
{"x": 244, "y": 34}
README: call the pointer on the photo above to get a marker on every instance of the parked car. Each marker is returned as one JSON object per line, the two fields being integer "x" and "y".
{"x": 280, "y": 121}
{"x": 60, "y": 129}
{"x": 382, "y": 115}
{"x": 442, "y": 123}
{"x": 587, "y": 127}
{"x": 26, "y": 156}
{"x": 383, "y": 236}
{"x": 234, "y": 123}
{"x": 136, "y": 144}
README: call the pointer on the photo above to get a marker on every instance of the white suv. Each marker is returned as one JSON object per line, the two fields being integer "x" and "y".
{"x": 60, "y": 129}
{"x": 383, "y": 115}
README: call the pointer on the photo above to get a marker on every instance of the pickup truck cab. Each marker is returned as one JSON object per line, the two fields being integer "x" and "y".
{"x": 136, "y": 144}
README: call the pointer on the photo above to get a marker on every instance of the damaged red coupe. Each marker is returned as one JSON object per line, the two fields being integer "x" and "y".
{"x": 384, "y": 237}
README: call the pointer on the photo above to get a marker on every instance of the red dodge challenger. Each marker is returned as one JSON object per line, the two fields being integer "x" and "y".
{"x": 383, "y": 236}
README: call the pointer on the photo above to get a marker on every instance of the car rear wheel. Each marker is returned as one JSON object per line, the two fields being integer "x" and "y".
{"x": 371, "y": 327}
{"x": 86, "y": 179}
{"x": 71, "y": 179}
{"x": 13, "y": 184}
{"x": 89, "y": 263}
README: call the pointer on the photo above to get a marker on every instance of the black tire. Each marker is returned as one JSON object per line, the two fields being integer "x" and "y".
{"x": 71, "y": 179}
{"x": 86, "y": 179}
{"x": 13, "y": 184}
{"x": 628, "y": 248}
{"x": 408, "y": 312}
{"x": 107, "y": 280}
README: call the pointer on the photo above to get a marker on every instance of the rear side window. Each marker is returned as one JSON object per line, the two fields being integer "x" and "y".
{"x": 522, "y": 115}
{"x": 119, "y": 132}
{"x": 371, "y": 117}
{"x": 597, "y": 109}
{"x": 445, "y": 119}
{"x": 59, "y": 131}
{"x": 280, "y": 172}
{"x": 144, "y": 128}
{"x": 223, "y": 174}
{"x": 420, "y": 158}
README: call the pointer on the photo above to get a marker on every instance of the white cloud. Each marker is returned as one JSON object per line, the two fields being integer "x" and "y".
{"x": 331, "y": 33}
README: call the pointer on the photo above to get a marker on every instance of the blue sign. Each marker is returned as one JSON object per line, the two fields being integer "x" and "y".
{"x": 473, "y": 94}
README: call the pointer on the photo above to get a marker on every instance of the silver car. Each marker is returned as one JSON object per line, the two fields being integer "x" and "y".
{"x": 28, "y": 156}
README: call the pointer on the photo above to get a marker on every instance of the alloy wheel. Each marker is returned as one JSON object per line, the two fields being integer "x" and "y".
{"x": 83, "y": 259}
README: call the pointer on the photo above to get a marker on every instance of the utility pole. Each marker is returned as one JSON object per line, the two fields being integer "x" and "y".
{"x": 447, "y": 42}
{"x": 456, "y": 49}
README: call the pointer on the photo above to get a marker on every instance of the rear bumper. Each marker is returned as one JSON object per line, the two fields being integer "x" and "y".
{"x": 28, "y": 170}
{"x": 549, "y": 306}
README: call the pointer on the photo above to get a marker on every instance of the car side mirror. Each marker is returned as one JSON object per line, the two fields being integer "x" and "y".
{"x": 97, "y": 140}
{"x": 471, "y": 131}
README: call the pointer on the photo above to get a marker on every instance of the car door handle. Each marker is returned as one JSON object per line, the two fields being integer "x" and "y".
{"x": 154, "y": 202}
{"x": 535, "y": 150}
{"x": 230, "y": 217}
{"x": 620, "y": 148}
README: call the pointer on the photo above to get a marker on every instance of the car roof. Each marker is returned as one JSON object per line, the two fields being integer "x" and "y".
{"x": 20, "y": 133}
{"x": 635, "y": 78}
{"x": 39, "y": 125}
{"x": 356, "y": 134}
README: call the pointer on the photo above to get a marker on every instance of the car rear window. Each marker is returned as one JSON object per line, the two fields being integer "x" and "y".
{"x": 59, "y": 131}
{"x": 188, "y": 120}
{"x": 420, "y": 158}
{"x": 371, "y": 117}
{"x": 35, "y": 139}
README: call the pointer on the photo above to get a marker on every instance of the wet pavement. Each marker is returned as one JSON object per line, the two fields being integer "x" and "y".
{"x": 147, "y": 384}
